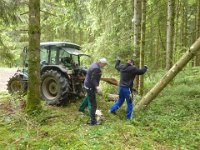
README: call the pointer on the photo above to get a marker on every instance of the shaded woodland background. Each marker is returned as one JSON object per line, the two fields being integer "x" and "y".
{"x": 105, "y": 27}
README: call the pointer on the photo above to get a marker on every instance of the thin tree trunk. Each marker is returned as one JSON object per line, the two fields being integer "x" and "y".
{"x": 184, "y": 28}
{"x": 170, "y": 34}
{"x": 176, "y": 29}
{"x": 197, "y": 60}
{"x": 137, "y": 35}
{"x": 33, "y": 101}
{"x": 151, "y": 45}
{"x": 161, "y": 51}
{"x": 142, "y": 47}
{"x": 169, "y": 75}
{"x": 158, "y": 50}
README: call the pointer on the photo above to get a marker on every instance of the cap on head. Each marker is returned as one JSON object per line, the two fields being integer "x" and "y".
{"x": 103, "y": 61}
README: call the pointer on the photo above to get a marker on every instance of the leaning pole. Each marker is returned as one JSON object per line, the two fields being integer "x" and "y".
{"x": 176, "y": 68}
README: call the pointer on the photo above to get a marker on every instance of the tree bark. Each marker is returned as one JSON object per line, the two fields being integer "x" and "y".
{"x": 142, "y": 47}
{"x": 137, "y": 35}
{"x": 33, "y": 101}
{"x": 176, "y": 29}
{"x": 184, "y": 23}
{"x": 170, "y": 34}
{"x": 197, "y": 60}
{"x": 169, "y": 75}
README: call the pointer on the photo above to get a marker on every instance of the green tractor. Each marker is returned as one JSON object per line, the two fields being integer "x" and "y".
{"x": 62, "y": 72}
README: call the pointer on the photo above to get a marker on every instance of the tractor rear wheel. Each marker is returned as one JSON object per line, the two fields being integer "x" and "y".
{"x": 54, "y": 87}
{"x": 16, "y": 85}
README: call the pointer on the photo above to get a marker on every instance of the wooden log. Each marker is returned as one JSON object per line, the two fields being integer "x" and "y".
{"x": 112, "y": 97}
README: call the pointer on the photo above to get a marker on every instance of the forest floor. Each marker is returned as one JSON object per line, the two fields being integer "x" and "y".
{"x": 5, "y": 74}
{"x": 171, "y": 121}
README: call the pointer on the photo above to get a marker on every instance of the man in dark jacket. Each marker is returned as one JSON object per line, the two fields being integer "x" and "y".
{"x": 91, "y": 84}
{"x": 127, "y": 75}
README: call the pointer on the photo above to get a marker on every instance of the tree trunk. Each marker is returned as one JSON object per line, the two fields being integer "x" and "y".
{"x": 169, "y": 75}
{"x": 137, "y": 35}
{"x": 176, "y": 29}
{"x": 184, "y": 23}
{"x": 142, "y": 47}
{"x": 197, "y": 60}
{"x": 33, "y": 101}
{"x": 170, "y": 34}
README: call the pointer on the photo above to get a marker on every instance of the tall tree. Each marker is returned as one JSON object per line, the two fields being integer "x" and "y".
{"x": 184, "y": 23}
{"x": 8, "y": 17}
{"x": 197, "y": 60}
{"x": 142, "y": 47}
{"x": 170, "y": 34}
{"x": 190, "y": 53}
{"x": 176, "y": 27}
{"x": 137, "y": 30}
{"x": 33, "y": 101}
{"x": 137, "y": 35}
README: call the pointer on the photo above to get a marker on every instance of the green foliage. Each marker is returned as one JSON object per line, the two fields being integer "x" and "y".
{"x": 170, "y": 122}
{"x": 101, "y": 27}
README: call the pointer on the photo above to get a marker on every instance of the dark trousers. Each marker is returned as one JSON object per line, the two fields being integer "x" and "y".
{"x": 93, "y": 103}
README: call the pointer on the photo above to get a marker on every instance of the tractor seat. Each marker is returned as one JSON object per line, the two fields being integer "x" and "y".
{"x": 66, "y": 61}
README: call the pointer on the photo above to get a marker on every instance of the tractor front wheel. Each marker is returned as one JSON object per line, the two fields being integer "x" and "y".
{"x": 16, "y": 85}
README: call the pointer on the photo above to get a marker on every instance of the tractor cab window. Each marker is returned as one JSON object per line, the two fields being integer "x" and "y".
{"x": 54, "y": 57}
{"x": 75, "y": 60}
{"x": 85, "y": 60}
{"x": 44, "y": 53}
{"x": 67, "y": 58}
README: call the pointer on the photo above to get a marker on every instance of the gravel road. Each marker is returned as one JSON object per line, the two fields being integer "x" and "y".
{"x": 5, "y": 74}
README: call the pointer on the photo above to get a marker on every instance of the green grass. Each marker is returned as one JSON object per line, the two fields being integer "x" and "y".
{"x": 171, "y": 121}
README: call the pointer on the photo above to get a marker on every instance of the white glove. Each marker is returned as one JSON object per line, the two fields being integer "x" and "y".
{"x": 146, "y": 67}
{"x": 99, "y": 91}
{"x": 117, "y": 58}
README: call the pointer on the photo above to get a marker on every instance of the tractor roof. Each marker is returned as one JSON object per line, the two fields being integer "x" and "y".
{"x": 76, "y": 52}
{"x": 65, "y": 44}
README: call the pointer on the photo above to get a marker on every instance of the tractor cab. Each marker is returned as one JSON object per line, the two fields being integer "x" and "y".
{"x": 62, "y": 71}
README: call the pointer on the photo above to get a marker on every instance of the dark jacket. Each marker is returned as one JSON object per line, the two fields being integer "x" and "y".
{"x": 93, "y": 76}
{"x": 128, "y": 73}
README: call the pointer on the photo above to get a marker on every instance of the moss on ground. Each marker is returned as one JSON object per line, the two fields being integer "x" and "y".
{"x": 170, "y": 122}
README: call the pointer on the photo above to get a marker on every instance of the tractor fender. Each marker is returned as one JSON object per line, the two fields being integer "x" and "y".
{"x": 22, "y": 75}
{"x": 54, "y": 67}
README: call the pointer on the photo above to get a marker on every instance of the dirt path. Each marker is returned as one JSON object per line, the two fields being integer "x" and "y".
{"x": 5, "y": 74}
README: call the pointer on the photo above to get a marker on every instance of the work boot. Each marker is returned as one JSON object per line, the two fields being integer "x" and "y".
{"x": 92, "y": 124}
{"x": 81, "y": 110}
{"x": 113, "y": 112}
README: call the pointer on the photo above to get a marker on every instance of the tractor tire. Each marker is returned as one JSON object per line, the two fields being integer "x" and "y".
{"x": 16, "y": 85}
{"x": 54, "y": 87}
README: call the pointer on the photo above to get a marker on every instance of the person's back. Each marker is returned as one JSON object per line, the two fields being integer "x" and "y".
{"x": 93, "y": 76}
{"x": 128, "y": 72}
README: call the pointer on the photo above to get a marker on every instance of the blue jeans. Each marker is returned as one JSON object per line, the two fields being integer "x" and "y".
{"x": 124, "y": 93}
